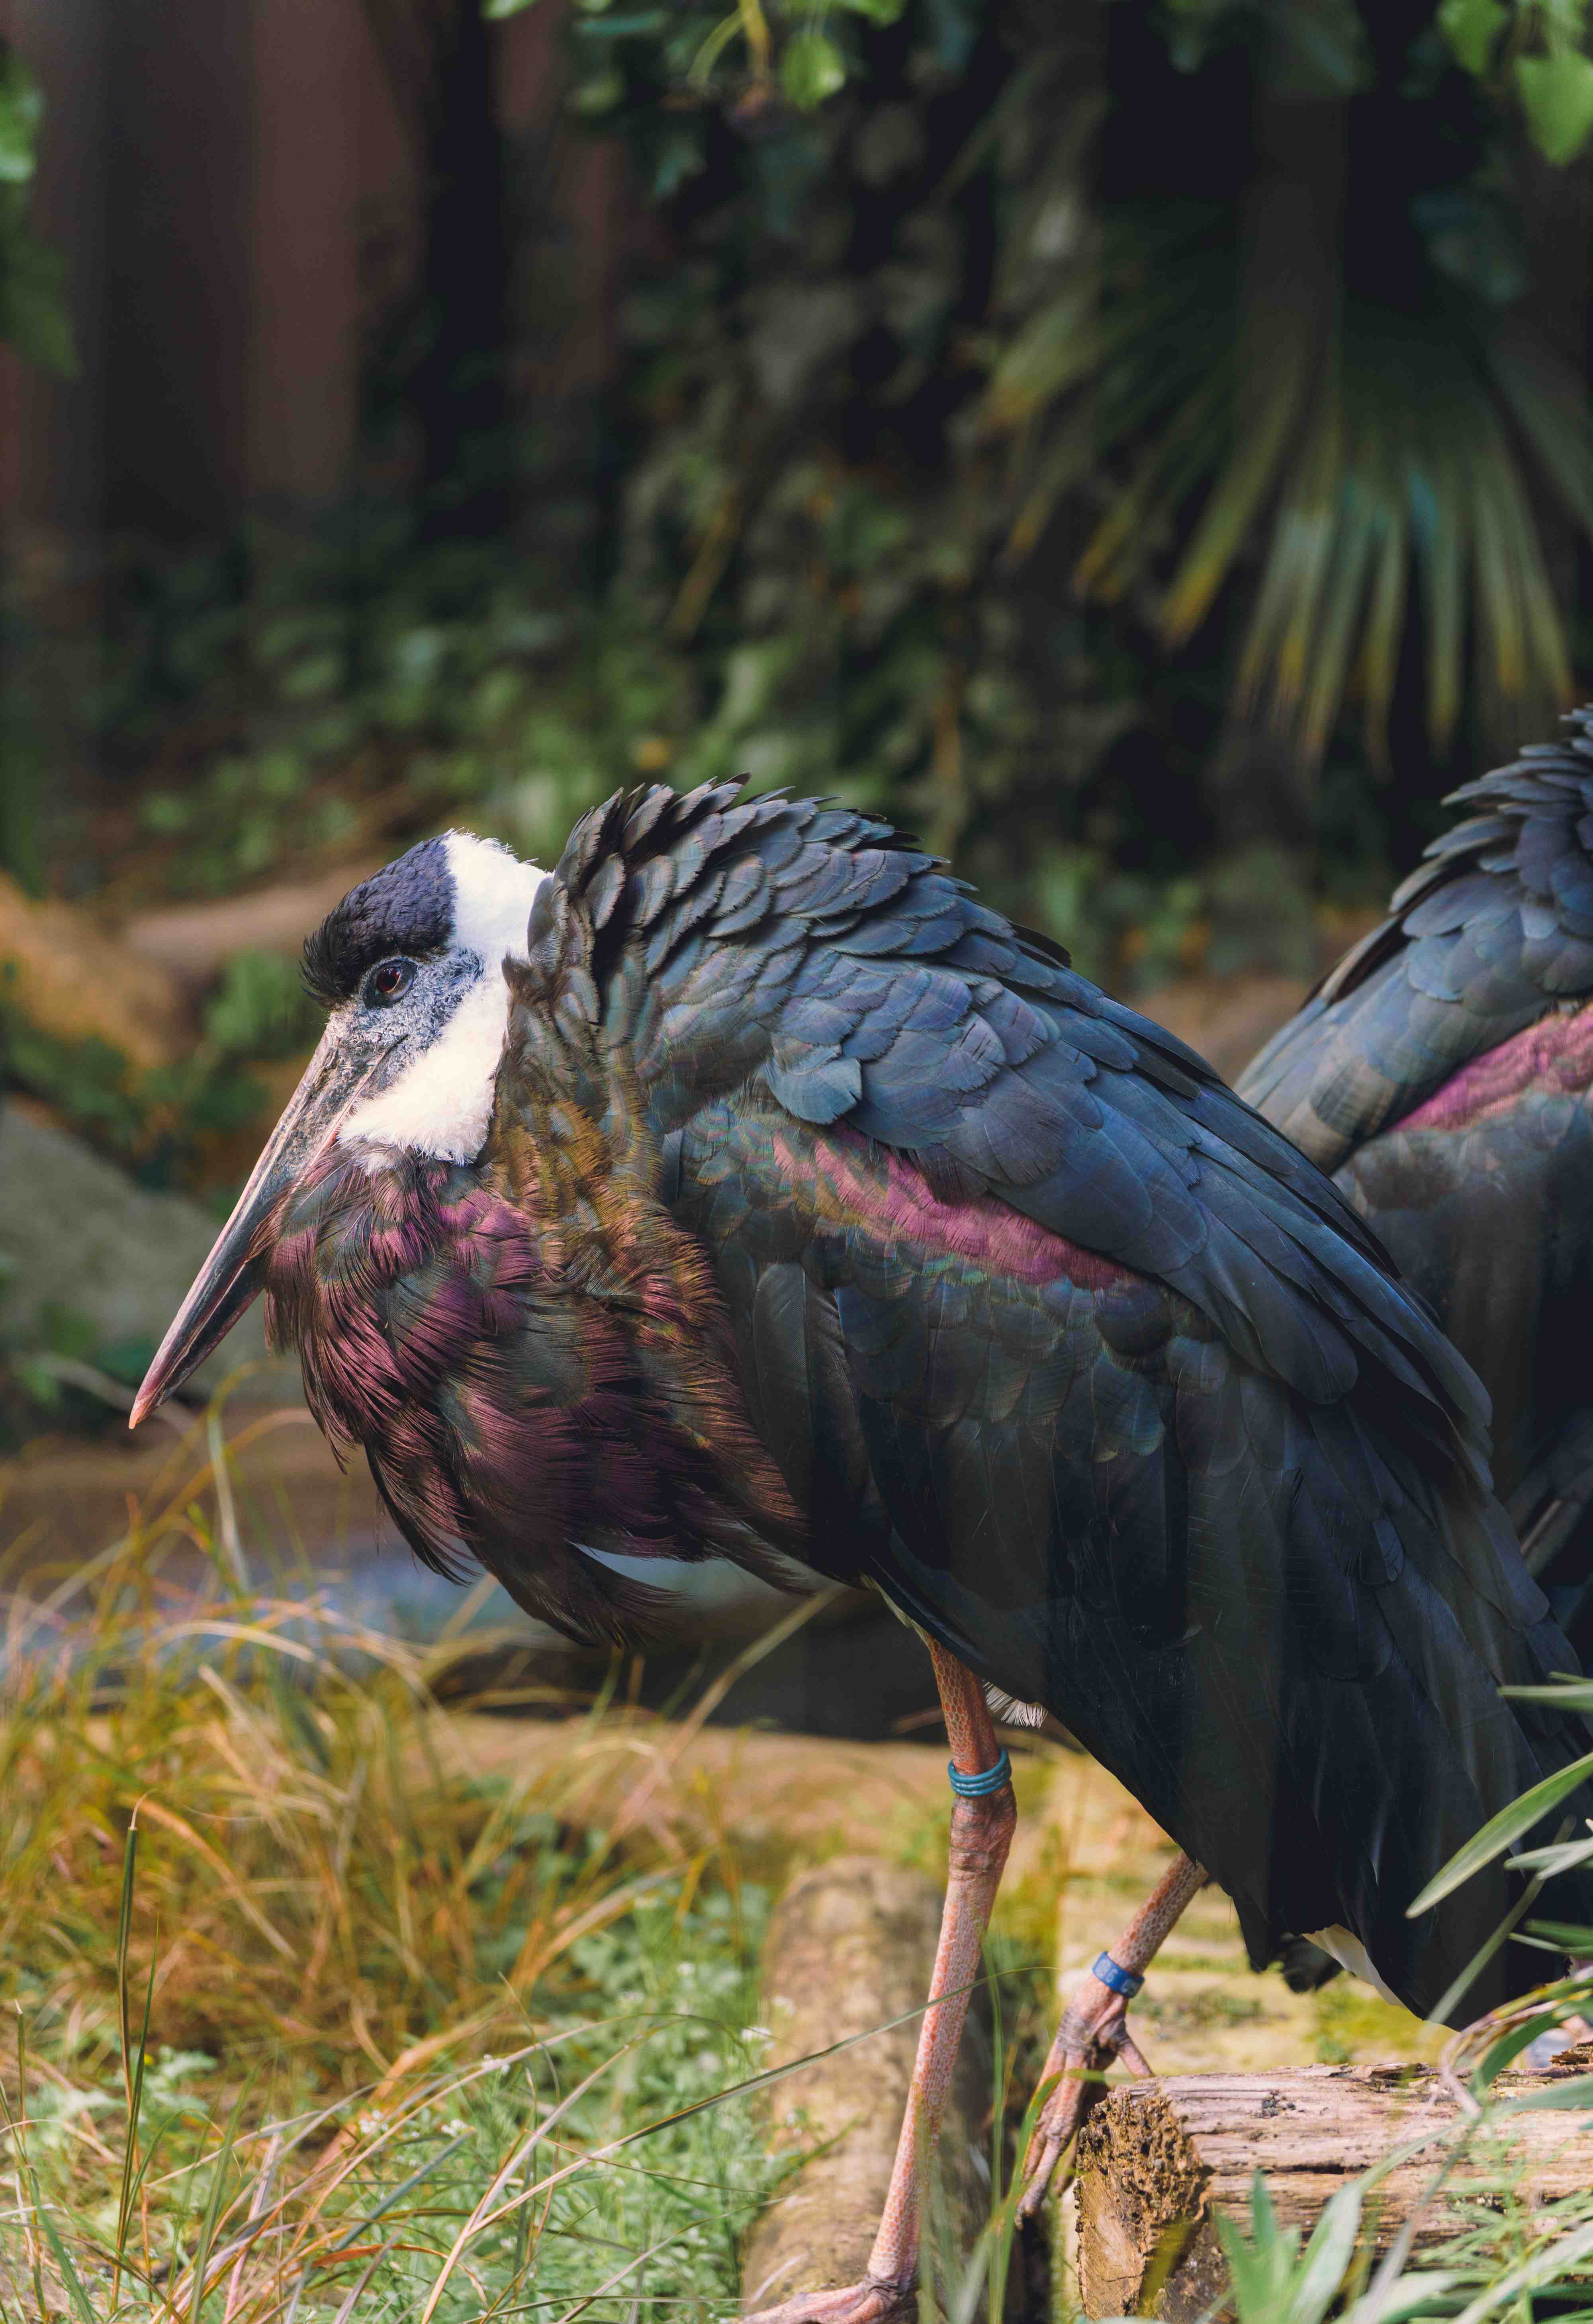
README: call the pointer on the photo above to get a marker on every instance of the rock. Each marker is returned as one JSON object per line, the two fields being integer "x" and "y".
{"x": 72, "y": 980}
{"x": 80, "y": 1239}
{"x": 850, "y": 1947}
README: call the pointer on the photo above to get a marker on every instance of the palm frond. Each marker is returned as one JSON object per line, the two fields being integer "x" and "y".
{"x": 1355, "y": 463}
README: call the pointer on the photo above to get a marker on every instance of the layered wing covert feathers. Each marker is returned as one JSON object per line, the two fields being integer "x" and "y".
{"x": 1444, "y": 1071}
{"x": 1491, "y": 934}
{"x": 1058, "y": 1344}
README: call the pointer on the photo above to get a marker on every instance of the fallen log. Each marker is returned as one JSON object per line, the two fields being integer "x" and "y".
{"x": 1160, "y": 2163}
{"x": 64, "y": 976}
{"x": 850, "y": 1949}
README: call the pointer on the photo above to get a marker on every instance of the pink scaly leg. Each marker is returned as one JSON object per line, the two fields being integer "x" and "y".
{"x": 1094, "y": 2028}
{"x": 981, "y": 1833}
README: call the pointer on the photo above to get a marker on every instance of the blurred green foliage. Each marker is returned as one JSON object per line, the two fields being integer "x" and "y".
{"x": 1133, "y": 446}
{"x": 1225, "y": 307}
{"x": 807, "y": 51}
{"x": 33, "y": 313}
{"x": 157, "y": 1120}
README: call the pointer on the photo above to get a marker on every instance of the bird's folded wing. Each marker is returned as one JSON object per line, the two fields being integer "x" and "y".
{"x": 1494, "y": 929}
{"x": 714, "y": 942}
{"x": 1259, "y": 1613}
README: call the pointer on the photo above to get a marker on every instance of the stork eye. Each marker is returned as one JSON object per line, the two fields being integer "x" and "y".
{"x": 389, "y": 981}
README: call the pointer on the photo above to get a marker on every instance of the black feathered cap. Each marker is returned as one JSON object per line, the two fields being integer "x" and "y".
{"x": 407, "y": 908}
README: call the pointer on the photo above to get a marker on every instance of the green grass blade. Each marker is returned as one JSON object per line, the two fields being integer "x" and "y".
{"x": 1500, "y": 1831}
{"x": 1570, "y": 2097}
{"x": 1439, "y": 2013}
{"x": 133, "y": 2073}
{"x": 214, "y": 2202}
{"x": 1575, "y": 1694}
{"x": 17, "y": 2126}
{"x": 1572, "y": 1936}
{"x": 69, "y": 2273}
{"x": 1327, "y": 2257}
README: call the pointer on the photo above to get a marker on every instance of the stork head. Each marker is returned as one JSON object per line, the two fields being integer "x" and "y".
{"x": 409, "y": 968}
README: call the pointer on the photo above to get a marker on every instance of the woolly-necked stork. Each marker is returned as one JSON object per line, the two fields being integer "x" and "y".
{"x": 1443, "y": 1072}
{"x": 767, "y": 1198}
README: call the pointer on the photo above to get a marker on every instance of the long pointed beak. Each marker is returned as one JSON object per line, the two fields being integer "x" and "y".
{"x": 230, "y": 1280}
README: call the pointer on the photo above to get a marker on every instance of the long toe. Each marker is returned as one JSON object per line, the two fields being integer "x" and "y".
{"x": 1055, "y": 2133}
{"x": 1079, "y": 2060}
{"x": 873, "y": 2301}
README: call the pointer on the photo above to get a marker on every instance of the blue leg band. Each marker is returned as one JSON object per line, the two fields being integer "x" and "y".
{"x": 979, "y": 1787}
{"x": 1119, "y": 1980}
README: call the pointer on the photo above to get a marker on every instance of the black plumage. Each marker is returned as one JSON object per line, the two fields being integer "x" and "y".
{"x": 1443, "y": 1071}
{"x": 824, "y": 1223}
{"x": 405, "y": 908}
{"x": 1065, "y": 1351}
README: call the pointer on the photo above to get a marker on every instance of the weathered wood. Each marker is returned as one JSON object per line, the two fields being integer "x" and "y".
{"x": 1160, "y": 2162}
{"x": 850, "y": 1947}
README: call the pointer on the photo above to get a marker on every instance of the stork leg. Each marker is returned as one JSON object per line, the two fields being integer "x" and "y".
{"x": 981, "y": 1833}
{"x": 1094, "y": 2028}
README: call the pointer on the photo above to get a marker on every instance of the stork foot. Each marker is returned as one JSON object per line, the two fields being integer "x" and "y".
{"x": 874, "y": 2301}
{"x": 1094, "y": 2029}
{"x": 1092, "y": 2037}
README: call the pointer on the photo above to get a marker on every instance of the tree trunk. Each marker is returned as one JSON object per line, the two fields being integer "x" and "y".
{"x": 459, "y": 388}
{"x": 1160, "y": 2162}
{"x": 438, "y": 58}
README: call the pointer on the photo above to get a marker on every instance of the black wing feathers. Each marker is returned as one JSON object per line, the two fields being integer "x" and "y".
{"x": 1493, "y": 928}
{"x": 1154, "y": 1436}
{"x": 863, "y": 985}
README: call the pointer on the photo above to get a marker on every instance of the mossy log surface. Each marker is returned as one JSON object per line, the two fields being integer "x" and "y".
{"x": 1160, "y": 2162}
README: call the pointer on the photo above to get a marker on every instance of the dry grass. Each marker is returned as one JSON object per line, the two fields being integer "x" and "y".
{"x": 306, "y": 2011}
{"x": 331, "y": 2006}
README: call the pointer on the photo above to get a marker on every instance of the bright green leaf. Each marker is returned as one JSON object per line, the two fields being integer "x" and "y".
{"x": 1327, "y": 2256}
{"x": 1571, "y": 1694}
{"x": 1509, "y": 2047}
{"x": 601, "y": 93}
{"x": 1560, "y": 2097}
{"x": 811, "y": 70}
{"x": 21, "y": 105}
{"x": 1556, "y": 96}
{"x": 1500, "y": 1831}
{"x": 494, "y": 11}
{"x": 1472, "y": 29}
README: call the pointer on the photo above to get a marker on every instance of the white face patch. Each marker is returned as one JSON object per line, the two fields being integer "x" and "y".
{"x": 440, "y": 1100}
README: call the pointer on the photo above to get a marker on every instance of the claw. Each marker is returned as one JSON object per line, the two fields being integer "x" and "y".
{"x": 1093, "y": 2035}
{"x": 873, "y": 2301}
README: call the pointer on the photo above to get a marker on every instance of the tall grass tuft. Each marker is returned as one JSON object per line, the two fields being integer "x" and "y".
{"x": 311, "y": 2019}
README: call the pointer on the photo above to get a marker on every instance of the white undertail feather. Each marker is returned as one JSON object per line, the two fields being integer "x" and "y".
{"x": 1008, "y": 1711}
{"x": 1350, "y": 1953}
{"x": 442, "y": 1104}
